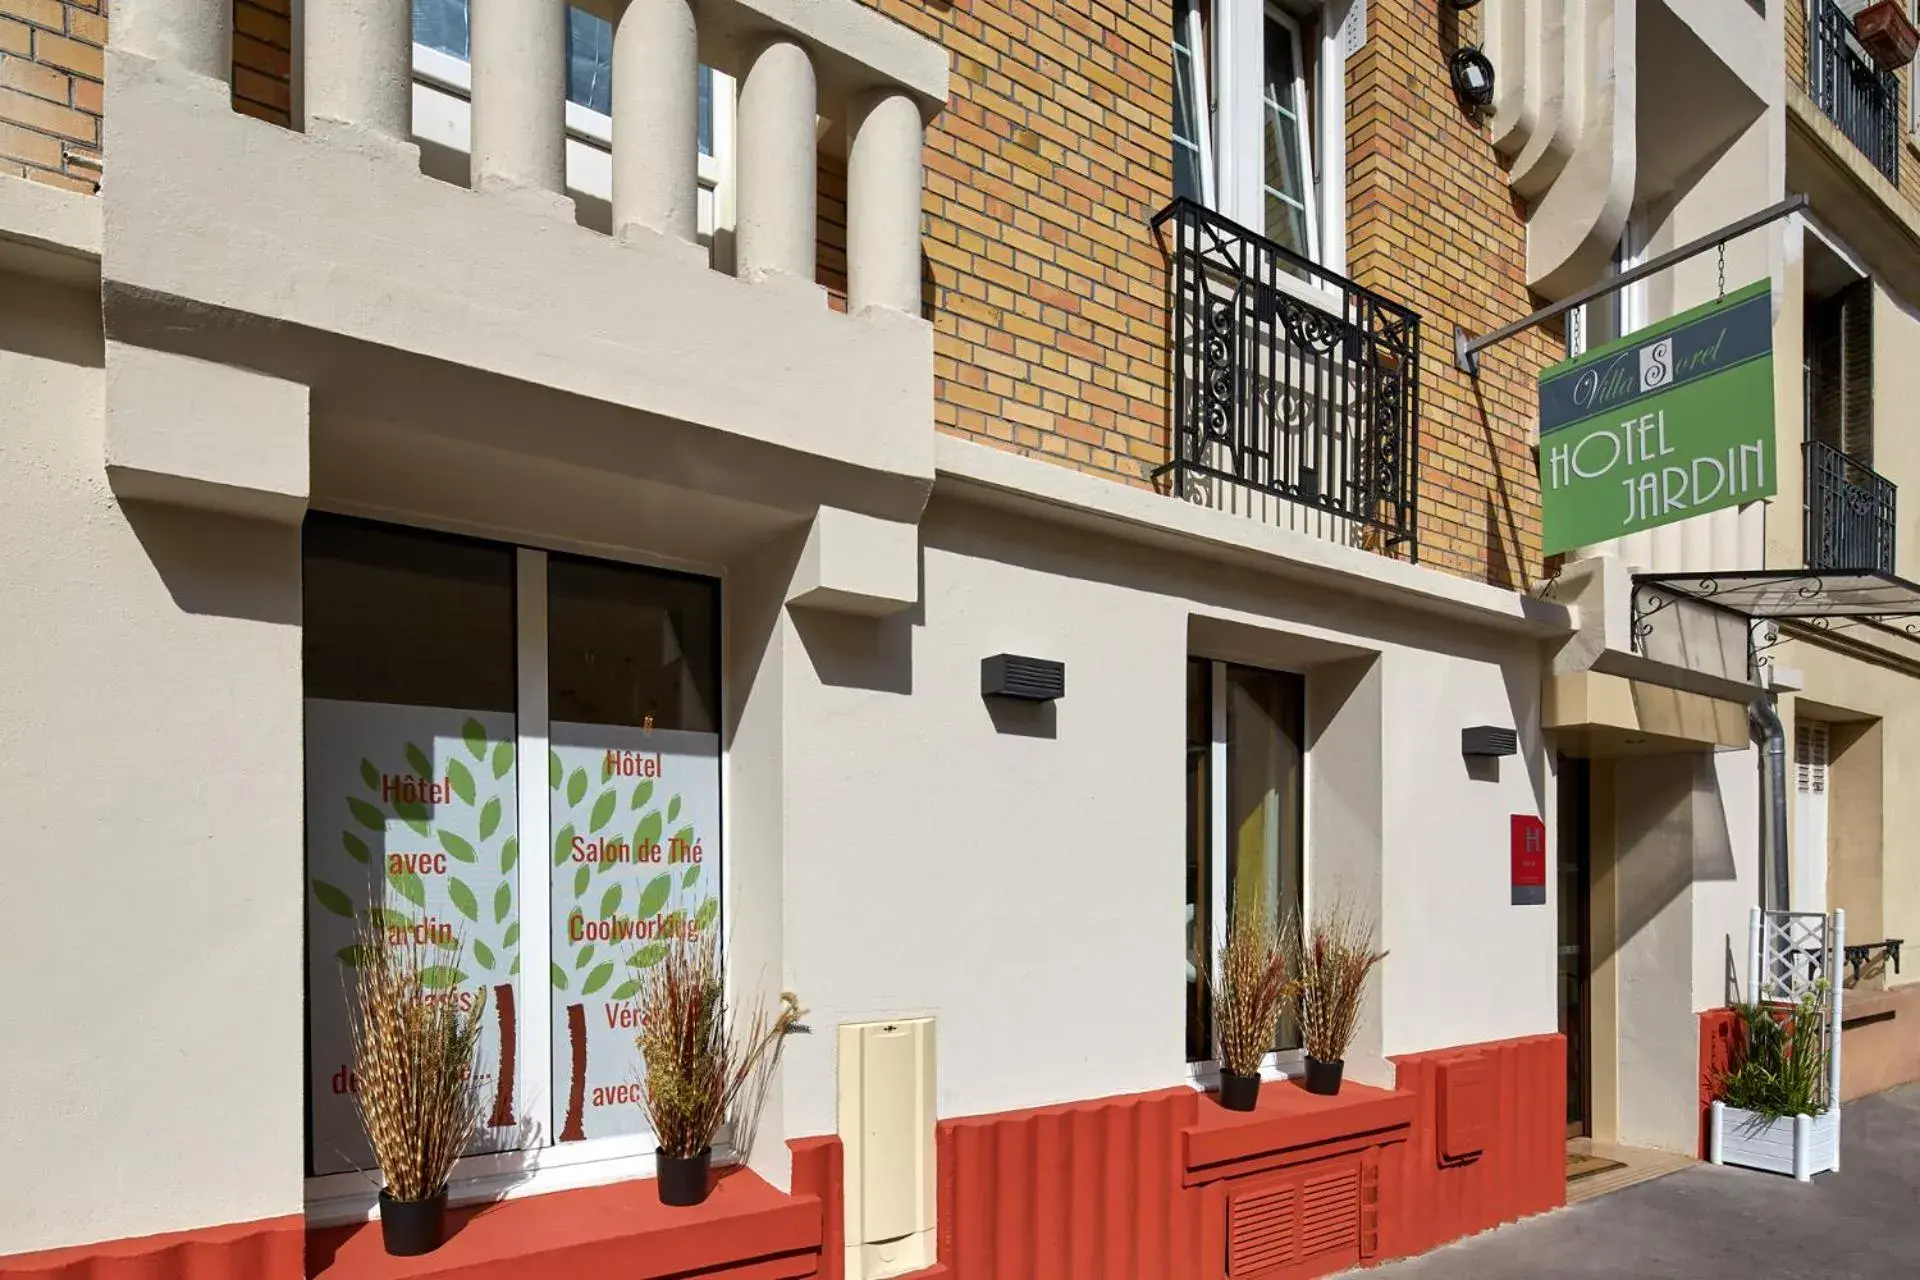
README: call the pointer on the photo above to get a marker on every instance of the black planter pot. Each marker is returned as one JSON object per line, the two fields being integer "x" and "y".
{"x": 1239, "y": 1093}
{"x": 1324, "y": 1077}
{"x": 410, "y": 1228}
{"x": 683, "y": 1179}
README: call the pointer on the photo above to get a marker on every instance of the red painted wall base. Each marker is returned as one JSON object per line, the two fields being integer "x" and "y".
{"x": 1154, "y": 1186}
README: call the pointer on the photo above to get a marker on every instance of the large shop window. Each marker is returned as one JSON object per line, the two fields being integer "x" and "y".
{"x": 467, "y": 703}
{"x": 1245, "y": 821}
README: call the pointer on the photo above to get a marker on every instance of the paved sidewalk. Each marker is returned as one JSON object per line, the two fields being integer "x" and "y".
{"x": 1707, "y": 1223}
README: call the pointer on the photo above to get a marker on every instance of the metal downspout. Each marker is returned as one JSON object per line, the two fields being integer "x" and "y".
{"x": 1773, "y": 739}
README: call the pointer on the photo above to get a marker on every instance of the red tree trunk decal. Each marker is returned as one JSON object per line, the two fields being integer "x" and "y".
{"x": 509, "y": 1050}
{"x": 575, "y": 1129}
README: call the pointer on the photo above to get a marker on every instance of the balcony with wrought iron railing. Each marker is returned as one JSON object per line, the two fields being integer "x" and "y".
{"x": 1851, "y": 89}
{"x": 1295, "y": 391}
{"x": 1850, "y": 513}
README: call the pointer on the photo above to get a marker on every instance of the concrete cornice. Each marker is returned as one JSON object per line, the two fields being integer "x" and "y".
{"x": 1057, "y": 493}
{"x": 45, "y": 231}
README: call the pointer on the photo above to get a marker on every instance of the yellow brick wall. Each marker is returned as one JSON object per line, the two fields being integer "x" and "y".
{"x": 1047, "y": 289}
{"x": 50, "y": 76}
{"x": 1432, "y": 223}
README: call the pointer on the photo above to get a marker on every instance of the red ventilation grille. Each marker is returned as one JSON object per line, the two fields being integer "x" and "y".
{"x": 1260, "y": 1230}
{"x": 1308, "y": 1221}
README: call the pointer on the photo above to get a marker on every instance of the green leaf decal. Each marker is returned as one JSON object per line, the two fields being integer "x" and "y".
{"x": 476, "y": 735}
{"x": 704, "y": 916}
{"x": 489, "y": 818}
{"x": 366, "y": 815}
{"x": 414, "y": 815}
{"x": 353, "y": 957}
{"x": 585, "y": 956}
{"x": 673, "y": 808}
{"x": 627, "y": 990}
{"x": 647, "y": 834}
{"x": 682, "y": 840}
{"x": 439, "y": 977}
{"x": 554, "y": 771}
{"x": 502, "y": 903}
{"x": 333, "y": 899}
{"x": 610, "y": 902}
{"x": 387, "y": 919}
{"x": 580, "y": 879}
{"x": 516, "y": 966}
{"x": 462, "y": 781}
{"x": 457, "y": 849}
{"x": 502, "y": 759}
{"x": 408, "y": 886}
{"x": 509, "y": 854}
{"x": 563, "y": 845}
{"x": 513, "y": 935}
{"x": 356, "y": 847}
{"x": 369, "y": 774}
{"x": 654, "y": 896}
{"x": 606, "y": 766}
{"x": 559, "y": 977}
{"x": 603, "y": 810}
{"x": 576, "y": 787}
{"x": 463, "y": 899}
{"x": 483, "y": 953}
{"x": 418, "y": 762}
{"x": 597, "y": 979}
{"x": 693, "y": 873}
{"x": 642, "y": 794}
{"x": 648, "y": 956}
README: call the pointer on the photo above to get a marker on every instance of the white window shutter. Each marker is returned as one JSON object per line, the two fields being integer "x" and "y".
{"x": 1810, "y": 757}
{"x": 1353, "y": 28}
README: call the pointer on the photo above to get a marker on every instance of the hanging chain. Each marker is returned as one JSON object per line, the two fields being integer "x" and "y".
{"x": 1723, "y": 271}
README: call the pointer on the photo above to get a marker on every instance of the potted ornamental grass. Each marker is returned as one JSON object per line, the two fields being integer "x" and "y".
{"x": 1247, "y": 1002}
{"x": 418, "y": 1098}
{"x": 1330, "y": 961}
{"x": 699, "y": 1071}
{"x": 1773, "y": 1106}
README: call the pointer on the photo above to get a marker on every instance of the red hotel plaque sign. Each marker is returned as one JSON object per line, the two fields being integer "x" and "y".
{"x": 1529, "y": 861}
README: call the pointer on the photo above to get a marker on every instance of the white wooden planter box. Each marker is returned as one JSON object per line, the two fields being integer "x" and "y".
{"x": 1799, "y": 1145}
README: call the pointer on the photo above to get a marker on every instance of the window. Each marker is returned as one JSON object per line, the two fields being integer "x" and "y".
{"x": 1839, "y": 372}
{"x": 1285, "y": 149}
{"x": 441, "y": 25}
{"x": 1192, "y": 109}
{"x": 1245, "y": 821}
{"x": 466, "y": 702}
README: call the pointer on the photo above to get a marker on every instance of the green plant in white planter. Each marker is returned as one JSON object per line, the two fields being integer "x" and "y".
{"x": 1773, "y": 1107}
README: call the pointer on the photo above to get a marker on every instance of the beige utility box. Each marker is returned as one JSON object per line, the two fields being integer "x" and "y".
{"x": 886, "y": 1128}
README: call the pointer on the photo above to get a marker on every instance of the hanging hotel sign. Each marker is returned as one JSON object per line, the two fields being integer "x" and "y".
{"x": 1672, "y": 422}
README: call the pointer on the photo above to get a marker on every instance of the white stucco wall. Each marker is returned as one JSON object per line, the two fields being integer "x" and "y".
{"x": 1018, "y": 873}
{"x": 150, "y": 813}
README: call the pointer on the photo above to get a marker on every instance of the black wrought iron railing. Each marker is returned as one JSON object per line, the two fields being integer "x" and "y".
{"x": 1290, "y": 381}
{"x": 1856, "y": 94}
{"x": 1850, "y": 513}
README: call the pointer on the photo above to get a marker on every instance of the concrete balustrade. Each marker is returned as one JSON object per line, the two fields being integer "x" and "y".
{"x": 883, "y": 204}
{"x": 519, "y": 95}
{"x": 777, "y": 167}
{"x": 656, "y": 120}
{"x": 194, "y": 34}
{"x": 359, "y": 67}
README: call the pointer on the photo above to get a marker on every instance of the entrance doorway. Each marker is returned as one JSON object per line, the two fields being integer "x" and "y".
{"x": 1575, "y": 951}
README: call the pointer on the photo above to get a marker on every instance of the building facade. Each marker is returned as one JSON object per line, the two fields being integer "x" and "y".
{"x": 706, "y": 397}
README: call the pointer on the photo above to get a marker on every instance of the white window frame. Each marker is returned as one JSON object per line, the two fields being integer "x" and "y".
{"x": 442, "y": 114}
{"x": 1630, "y": 302}
{"x": 1279, "y": 1064}
{"x": 1195, "y": 38}
{"x": 1303, "y": 138}
{"x": 339, "y": 1198}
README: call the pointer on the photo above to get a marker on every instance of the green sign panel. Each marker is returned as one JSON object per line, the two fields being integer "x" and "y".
{"x": 1671, "y": 422}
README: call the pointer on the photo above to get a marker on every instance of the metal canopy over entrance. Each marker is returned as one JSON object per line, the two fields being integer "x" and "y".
{"x": 1799, "y": 594}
